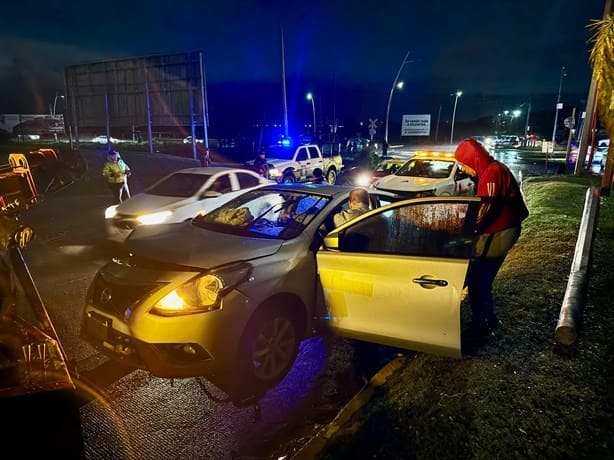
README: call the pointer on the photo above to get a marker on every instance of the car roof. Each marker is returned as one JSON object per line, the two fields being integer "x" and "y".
{"x": 211, "y": 170}
{"x": 434, "y": 155}
{"x": 325, "y": 189}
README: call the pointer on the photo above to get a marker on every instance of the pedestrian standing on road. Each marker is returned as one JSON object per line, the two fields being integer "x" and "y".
{"x": 116, "y": 173}
{"x": 204, "y": 157}
{"x": 317, "y": 177}
{"x": 498, "y": 228}
{"x": 260, "y": 164}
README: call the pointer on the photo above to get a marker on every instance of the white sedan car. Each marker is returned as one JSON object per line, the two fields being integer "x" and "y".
{"x": 428, "y": 174}
{"x": 179, "y": 197}
{"x": 102, "y": 139}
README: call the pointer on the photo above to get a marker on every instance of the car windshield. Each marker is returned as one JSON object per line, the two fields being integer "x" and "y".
{"x": 280, "y": 152}
{"x": 265, "y": 214}
{"x": 387, "y": 166}
{"x": 433, "y": 169}
{"x": 179, "y": 185}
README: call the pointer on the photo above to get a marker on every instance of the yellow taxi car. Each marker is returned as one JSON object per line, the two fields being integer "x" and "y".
{"x": 428, "y": 173}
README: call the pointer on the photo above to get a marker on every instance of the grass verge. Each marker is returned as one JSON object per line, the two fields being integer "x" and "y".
{"x": 520, "y": 396}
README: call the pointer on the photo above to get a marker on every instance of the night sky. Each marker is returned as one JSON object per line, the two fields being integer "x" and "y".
{"x": 489, "y": 49}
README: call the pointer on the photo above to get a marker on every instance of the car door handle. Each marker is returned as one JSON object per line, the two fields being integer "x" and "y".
{"x": 429, "y": 283}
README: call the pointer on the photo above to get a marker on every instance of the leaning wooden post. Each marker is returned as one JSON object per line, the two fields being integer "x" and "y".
{"x": 573, "y": 302}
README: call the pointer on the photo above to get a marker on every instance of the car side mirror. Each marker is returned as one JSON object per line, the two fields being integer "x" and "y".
{"x": 210, "y": 194}
{"x": 331, "y": 241}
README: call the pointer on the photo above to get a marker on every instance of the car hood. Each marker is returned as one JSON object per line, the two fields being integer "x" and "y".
{"x": 406, "y": 183}
{"x": 144, "y": 203}
{"x": 189, "y": 245}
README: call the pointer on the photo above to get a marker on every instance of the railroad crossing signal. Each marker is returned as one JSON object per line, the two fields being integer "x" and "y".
{"x": 372, "y": 127}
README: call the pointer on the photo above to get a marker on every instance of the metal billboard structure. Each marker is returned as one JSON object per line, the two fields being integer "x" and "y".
{"x": 165, "y": 93}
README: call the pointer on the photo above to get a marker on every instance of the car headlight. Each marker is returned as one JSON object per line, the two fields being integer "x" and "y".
{"x": 363, "y": 180}
{"x": 110, "y": 212}
{"x": 274, "y": 172}
{"x": 154, "y": 218}
{"x": 202, "y": 293}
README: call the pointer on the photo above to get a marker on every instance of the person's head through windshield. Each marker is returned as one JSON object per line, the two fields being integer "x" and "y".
{"x": 317, "y": 177}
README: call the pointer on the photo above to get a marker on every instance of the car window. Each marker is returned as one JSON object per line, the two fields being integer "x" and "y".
{"x": 434, "y": 169}
{"x": 265, "y": 214}
{"x": 302, "y": 154}
{"x": 247, "y": 180}
{"x": 179, "y": 185}
{"x": 313, "y": 153}
{"x": 433, "y": 229}
{"x": 222, "y": 184}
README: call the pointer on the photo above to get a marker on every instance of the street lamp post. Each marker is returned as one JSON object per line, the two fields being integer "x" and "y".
{"x": 55, "y": 101}
{"x": 313, "y": 106}
{"x": 457, "y": 94}
{"x": 558, "y": 104}
{"x": 395, "y": 84}
{"x": 515, "y": 114}
{"x": 526, "y": 123}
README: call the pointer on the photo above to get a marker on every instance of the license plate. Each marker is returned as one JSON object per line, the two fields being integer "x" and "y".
{"x": 98, "y": 326}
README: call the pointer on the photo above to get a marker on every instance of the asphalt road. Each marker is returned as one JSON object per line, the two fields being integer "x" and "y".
{"x": 138, "y": 416}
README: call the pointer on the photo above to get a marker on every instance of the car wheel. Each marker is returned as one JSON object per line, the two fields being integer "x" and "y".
{"x": 331, "y": 176}
{"x": 288, "y": 179}
{"x": 268, "y": 349}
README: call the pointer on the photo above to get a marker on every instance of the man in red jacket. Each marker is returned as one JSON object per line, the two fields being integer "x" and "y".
{"x": 498, "y": 227}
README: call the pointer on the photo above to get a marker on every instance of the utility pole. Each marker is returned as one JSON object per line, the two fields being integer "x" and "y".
{"x": 591, "y": 111}
{"x": 283, "y": 81}
{"x": 558, "y": 105}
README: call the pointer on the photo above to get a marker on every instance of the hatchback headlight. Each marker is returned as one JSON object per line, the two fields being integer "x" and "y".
{"x": 154, "y": 218}
{"x": 202, "y": 293}
{"x": 110, "y": 212}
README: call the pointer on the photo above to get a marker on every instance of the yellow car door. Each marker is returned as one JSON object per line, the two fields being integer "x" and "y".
{"x": 395, "y": 275}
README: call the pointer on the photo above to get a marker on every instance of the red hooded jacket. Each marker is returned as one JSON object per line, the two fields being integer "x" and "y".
{"x": 503, "y": 205}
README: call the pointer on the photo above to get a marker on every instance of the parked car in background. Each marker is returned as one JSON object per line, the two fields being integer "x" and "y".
{"x": 102, "y": 139}
{"x": 179, "y": 196}
{"x": 188, "y": 140}
{"x": 296, "y": 163}
{"x": 428, "y": 173}
{"x": 231, "y": 294}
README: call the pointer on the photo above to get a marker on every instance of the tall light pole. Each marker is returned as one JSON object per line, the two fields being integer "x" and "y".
{"x": 395, "y": 84}
{"x": 526, "y": 123}
{"x": 55, "y": 101}
{"x": 313, "y": 106}
{"x": 558, "y": 104}
{"x": 457, "y": 94}
{"x": 515, "y": 114}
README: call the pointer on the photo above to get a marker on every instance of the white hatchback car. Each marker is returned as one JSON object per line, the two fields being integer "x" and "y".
{"x": 179, "y": 197}
{"x": 428, "y": 173}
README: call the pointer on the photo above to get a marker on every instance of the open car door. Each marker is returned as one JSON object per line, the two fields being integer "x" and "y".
{"x": 395, "y": 275}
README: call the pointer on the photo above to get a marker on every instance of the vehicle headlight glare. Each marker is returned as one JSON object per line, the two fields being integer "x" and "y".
{"x": 198, "y": 295}
{"x": 363, "y": 180}
{"x": 110, "y": 212}
{"x": 274, "y": 172}
{"x": 155, "y": 218}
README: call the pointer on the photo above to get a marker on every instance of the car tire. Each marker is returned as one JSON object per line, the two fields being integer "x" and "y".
{"x": 331, "y": 176}
{"x": 288, "y": 179}
{"x": 268, "y": 349}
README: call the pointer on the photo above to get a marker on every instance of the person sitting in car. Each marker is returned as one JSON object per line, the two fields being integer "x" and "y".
{"x": 358, "y": 204}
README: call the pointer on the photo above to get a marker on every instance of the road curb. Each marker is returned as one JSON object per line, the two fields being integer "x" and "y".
{"x": 321, "y": 439}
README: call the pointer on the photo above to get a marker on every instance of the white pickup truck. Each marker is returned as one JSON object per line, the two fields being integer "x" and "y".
{"x": 297, "y": 163}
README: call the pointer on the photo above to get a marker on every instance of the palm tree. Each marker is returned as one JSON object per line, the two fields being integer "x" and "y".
{"x": 602, "y": 61}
